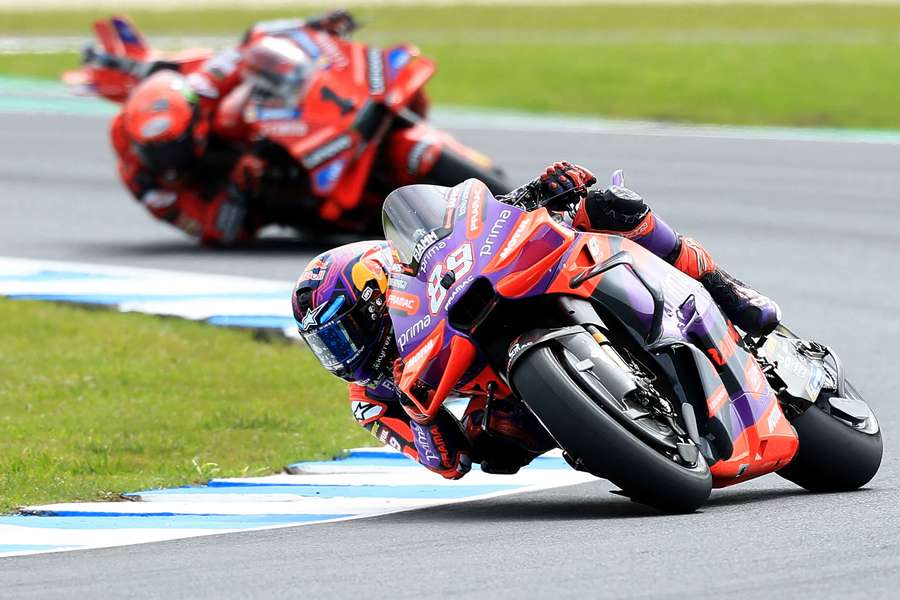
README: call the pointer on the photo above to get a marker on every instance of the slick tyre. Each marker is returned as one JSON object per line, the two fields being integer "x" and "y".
{"x": 832, "y": 457}
{"x": 601, "y": 444}
{"x": 452, "y": 169}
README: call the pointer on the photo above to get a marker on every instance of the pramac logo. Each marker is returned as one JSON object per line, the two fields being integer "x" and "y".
{"x": 407, "y": 303}
{"x": 474, "y": 214}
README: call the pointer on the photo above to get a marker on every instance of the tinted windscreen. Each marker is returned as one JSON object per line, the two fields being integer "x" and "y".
{"x": 413, "y": 219}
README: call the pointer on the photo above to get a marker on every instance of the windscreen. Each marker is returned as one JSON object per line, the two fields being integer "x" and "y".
{"x": 415, "y": 217}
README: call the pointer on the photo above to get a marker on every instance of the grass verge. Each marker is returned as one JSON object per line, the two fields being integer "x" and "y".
{"x": 822, "y": 65}
{"x": 94, "y": 403}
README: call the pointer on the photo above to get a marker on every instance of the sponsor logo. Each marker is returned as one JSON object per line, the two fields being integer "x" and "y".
{"x": 423, "y": 244}
{"x": 376, "y": 71}
{"x": 487, "y": 248}
{"x": 331, "y": 50}
{"x": 516, "y": 238}
{"x": 516, "y": 349}
{"x": 309, "y": 319}
{"x": 417, "y": 328}
{"x": 459, "y": 288}
{"x": 272, "y": 113}
{"x": 326, "y": 152}
{"x": 408, "y": 303}
{"x": 419, "y": 357}
{"x": 397, "y": 283}
{"x": 425, "y": 440}
{"x": 474, "y": 221}
{"x": 366, "y": 411}
{"x": 284, "y": 128}
{"x": 315, "y": 272}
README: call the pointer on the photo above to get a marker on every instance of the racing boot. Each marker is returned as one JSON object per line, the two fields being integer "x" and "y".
{"x": 513, "y": 438}
{"x": 747, "y": 309}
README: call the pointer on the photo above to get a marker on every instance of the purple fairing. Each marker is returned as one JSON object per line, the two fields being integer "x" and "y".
{"x": 493, "y": 231}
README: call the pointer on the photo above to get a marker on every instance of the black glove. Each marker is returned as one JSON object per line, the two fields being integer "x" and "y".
{"x": 560, "y": 185}
{"x": 339, "y": 22}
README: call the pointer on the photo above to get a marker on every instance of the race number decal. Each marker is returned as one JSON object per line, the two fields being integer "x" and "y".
{"x": 460, "y": 263}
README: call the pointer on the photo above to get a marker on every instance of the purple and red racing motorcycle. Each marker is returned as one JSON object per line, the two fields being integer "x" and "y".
{"x": 627, "y": 362}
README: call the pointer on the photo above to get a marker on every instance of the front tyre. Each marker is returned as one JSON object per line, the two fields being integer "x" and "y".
{"x": 601, "y": 444}
{"x": 835, "y": 455}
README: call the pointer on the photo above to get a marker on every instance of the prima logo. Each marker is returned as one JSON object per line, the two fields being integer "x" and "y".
{"x": 487, "y": 248}
{"x": 410, "y": 334}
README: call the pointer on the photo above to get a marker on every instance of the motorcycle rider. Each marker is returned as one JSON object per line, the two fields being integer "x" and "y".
{"x": 186, "y": 161}
{"x": 340, "y": 305}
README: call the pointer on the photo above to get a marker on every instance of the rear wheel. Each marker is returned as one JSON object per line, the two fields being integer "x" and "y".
{"x": 590, "y": 431}
{"x": 840, "y": 446}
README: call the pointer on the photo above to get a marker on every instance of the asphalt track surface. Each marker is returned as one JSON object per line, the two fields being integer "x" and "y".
{"x": 814, "y": 224}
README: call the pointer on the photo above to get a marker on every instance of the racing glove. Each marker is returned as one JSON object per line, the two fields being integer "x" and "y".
{"x": 442, "y": 446}
{"x": 560, "y": 185}
{"x": 338, "y": 22}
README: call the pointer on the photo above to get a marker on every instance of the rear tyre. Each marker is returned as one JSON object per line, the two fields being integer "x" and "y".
{"x": 833, "y": 456}
{"x": 452, "y": 169}
{"x": 601, "y": 445}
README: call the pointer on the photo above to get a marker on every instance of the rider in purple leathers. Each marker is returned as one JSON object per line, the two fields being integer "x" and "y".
{"x": 340, "y": 304}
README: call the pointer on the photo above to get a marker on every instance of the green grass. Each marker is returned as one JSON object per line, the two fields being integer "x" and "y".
{"x": 95, "y": 403}
{"x": 786, "y": 65}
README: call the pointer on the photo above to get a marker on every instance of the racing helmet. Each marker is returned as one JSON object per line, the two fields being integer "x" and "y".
{"x": 340, "y": 305}
{"x": 163, "y": 123}
{"x": 277, "y": 68}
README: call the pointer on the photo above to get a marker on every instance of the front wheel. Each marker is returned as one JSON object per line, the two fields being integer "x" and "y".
{"x": 597, "y": 440}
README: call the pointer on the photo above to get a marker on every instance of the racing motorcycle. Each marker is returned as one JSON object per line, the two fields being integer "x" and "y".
{"x": 351, "y": 131}
{"x": 628, "y": 363}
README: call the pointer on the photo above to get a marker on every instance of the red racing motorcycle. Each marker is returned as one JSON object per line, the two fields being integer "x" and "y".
{"x": 349, "y": 132}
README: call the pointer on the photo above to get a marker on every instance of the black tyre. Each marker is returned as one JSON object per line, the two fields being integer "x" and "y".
{"x": 601, "y": 444}
{"x": 452, "y": 169}
{"x": 833, "y": 456}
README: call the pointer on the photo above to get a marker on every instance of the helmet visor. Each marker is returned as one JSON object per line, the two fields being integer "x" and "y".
{"x": 340, "y": 343}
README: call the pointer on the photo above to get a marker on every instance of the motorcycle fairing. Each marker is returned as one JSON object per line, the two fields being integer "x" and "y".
{"x": 529, "y": 254}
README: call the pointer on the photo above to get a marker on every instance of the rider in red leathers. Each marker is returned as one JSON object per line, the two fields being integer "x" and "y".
{"x": 187, "y": 162}
{"x": 340, "y": 304}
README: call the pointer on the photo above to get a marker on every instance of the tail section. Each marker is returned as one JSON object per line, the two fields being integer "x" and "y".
{"x": 120, "y": 37}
